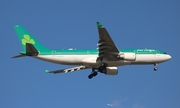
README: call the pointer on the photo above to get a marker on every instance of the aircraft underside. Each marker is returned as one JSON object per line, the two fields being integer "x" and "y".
{"x": 106, "y": 67}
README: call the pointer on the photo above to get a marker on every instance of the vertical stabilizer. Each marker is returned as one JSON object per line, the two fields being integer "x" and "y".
{"x": 25, "y": 37}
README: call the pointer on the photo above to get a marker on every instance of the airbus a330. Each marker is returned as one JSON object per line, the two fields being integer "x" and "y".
{"x": 105, "y": 59}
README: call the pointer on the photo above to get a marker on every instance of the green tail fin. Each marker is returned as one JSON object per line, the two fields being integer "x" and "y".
{"x": 26, "y": 37}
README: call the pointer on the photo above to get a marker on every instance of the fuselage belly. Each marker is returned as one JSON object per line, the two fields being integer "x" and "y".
{"x": 91, "y": 60}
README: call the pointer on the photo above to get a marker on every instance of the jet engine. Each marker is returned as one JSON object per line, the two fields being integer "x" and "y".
{"x": 127, "y": 56}
{"x": 111, "y": 71}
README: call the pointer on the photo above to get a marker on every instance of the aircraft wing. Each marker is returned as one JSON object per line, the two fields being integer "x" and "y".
{"x": 67, "y": 70}
{"x": 107, "y": 48}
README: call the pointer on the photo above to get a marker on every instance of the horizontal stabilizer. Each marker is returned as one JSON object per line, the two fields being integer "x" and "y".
{"x": 18, "y": 56}
{"x": 67, "y": 70}
{"x": 31, "y": 50}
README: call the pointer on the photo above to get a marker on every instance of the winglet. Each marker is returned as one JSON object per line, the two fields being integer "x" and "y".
{"x": 47, "y": 71}
{"x": 99, "y": 25}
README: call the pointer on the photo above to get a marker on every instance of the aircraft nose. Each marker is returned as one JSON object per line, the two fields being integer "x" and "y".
{"x": 168, "y": 57}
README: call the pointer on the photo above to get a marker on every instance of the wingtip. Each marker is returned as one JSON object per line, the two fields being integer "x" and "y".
{"x": 99, "y": 25}
{"x": 47, "y": 71}
{"x": 16, "y": 25}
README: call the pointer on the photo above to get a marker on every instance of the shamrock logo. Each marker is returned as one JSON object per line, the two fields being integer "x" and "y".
{"x": 27, "y": 39}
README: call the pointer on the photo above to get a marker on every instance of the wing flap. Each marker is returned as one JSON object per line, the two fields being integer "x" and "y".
{"x": 67, "y": 70}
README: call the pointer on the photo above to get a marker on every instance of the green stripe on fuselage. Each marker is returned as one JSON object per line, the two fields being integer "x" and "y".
{"x": 95, "y": 52}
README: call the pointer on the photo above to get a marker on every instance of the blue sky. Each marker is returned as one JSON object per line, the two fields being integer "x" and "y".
{"x": 72, "y": 24}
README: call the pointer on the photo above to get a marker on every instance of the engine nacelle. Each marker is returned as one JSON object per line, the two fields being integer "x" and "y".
{"x": 111, "y": 71}
{"x": 127, "y": 56}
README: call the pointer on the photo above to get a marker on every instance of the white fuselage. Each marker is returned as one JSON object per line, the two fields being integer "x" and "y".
{"x": 91, "y": 60}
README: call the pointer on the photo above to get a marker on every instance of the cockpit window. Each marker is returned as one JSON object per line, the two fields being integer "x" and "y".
{"x": 165, "y": 53}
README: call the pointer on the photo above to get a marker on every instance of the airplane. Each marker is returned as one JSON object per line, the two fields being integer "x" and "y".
{"x": 104, "y": 59}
